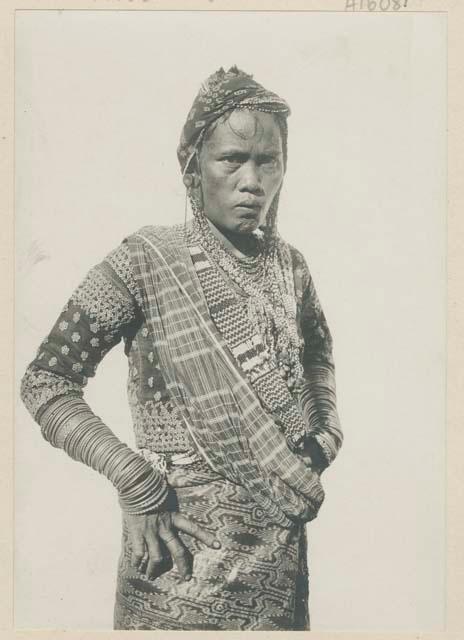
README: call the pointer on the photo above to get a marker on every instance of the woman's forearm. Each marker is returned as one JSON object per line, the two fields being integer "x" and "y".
{"x": 317, "y": 398}
{"x": 100, "y": 312}
{"x": 69, "y": 423}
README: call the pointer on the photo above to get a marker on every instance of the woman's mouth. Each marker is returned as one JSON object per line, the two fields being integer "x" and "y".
{"x": 252, "y": 208}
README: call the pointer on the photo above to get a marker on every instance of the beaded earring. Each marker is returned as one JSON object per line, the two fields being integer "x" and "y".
{"x": 190, "y": 182}
{"x": 270, "y": 227}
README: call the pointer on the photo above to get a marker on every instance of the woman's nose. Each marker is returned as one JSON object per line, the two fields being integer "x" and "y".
{"x": 250, "y": 179}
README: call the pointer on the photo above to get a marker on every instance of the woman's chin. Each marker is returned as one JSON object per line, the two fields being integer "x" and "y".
{"x": 246, "y": 227}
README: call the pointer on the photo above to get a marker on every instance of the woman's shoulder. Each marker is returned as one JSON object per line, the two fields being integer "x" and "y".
{"x": 119, "y": 257}
{"x": 120, "y": 260}
{"x": 156, "y": 233}
{"x": 299, "y": 263}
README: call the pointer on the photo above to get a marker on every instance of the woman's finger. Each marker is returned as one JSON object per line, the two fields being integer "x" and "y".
{"x": 194, "y": 529}
{"x": 155, "y": 556}
{"x": 179, "y": 554}
{"x": 138, "y": 550}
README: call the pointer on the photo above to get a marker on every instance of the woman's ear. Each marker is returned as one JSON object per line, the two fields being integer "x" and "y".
{"x": 191, "y": 180}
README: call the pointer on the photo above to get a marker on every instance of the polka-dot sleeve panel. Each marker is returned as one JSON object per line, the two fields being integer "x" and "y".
{"x": 99, "y": 313}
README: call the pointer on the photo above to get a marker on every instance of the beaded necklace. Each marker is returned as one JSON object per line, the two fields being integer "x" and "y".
{"x": 266, "y": 279}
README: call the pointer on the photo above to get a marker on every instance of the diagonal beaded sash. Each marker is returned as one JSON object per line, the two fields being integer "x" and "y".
{"x": 247, "y": 347}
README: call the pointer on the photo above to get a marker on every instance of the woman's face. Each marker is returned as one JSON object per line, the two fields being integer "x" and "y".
{"x": 241, "y": 170}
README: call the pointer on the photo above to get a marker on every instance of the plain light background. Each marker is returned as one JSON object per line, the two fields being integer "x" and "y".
{"x": 100, "y": 101}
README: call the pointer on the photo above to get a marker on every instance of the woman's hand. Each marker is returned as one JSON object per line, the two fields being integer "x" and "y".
{"x": 312, "y": 456}
{"x": 151, "y": 534}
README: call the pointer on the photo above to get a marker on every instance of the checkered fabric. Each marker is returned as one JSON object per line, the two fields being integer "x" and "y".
{"x": 235, "y": 434}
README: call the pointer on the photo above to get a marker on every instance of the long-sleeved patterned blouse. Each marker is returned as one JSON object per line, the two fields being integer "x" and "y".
{"x": 106, "y": 308}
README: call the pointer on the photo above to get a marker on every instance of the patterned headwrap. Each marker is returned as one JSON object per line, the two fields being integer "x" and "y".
{"x": 221, "y": 92}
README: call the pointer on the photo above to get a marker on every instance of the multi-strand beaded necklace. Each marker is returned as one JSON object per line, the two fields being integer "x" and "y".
{"x": 252, "y": 302}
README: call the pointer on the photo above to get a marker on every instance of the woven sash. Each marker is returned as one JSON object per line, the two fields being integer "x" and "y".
{"x": 235, "y": 434}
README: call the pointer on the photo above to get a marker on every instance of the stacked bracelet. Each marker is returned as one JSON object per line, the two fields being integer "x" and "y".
{"x": 317, "y": 397}
{"x": 70, "y": 424}
{"x": 61, "y": 417}
{"x": 139, "y": 499}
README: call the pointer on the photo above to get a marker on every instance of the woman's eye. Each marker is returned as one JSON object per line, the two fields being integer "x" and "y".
{"x": 269, "y": 162}
{"x": 266, "y": 162}
{"x": 231, "y": 160}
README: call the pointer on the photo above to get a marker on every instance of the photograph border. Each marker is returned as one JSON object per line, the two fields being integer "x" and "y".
{"x": 455, "y": 301}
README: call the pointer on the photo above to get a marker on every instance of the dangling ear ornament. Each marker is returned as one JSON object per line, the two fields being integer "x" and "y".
{"x": 191, "y": 180}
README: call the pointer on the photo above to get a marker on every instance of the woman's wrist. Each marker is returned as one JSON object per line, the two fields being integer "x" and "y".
{"x": 145, "y": 496}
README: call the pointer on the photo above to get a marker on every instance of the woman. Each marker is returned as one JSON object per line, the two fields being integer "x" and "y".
{"x": 231, "y": 385}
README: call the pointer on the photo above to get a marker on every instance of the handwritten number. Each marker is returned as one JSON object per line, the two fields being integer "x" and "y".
{"x": 373, "y": 5}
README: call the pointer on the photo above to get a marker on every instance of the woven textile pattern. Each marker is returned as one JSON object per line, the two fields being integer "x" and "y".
{"x": 258, "y": 580}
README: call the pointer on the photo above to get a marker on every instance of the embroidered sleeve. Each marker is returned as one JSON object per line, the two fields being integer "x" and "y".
{"x": 99, "y": 313}
{"x": 318, "y": 392}
{"x": 96, "y": 317}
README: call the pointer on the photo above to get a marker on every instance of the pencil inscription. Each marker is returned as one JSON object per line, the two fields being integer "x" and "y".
{"x": 375, "y": 5}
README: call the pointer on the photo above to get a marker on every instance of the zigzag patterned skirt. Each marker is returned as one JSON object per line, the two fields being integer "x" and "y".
{"x": 258, "y": 580}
